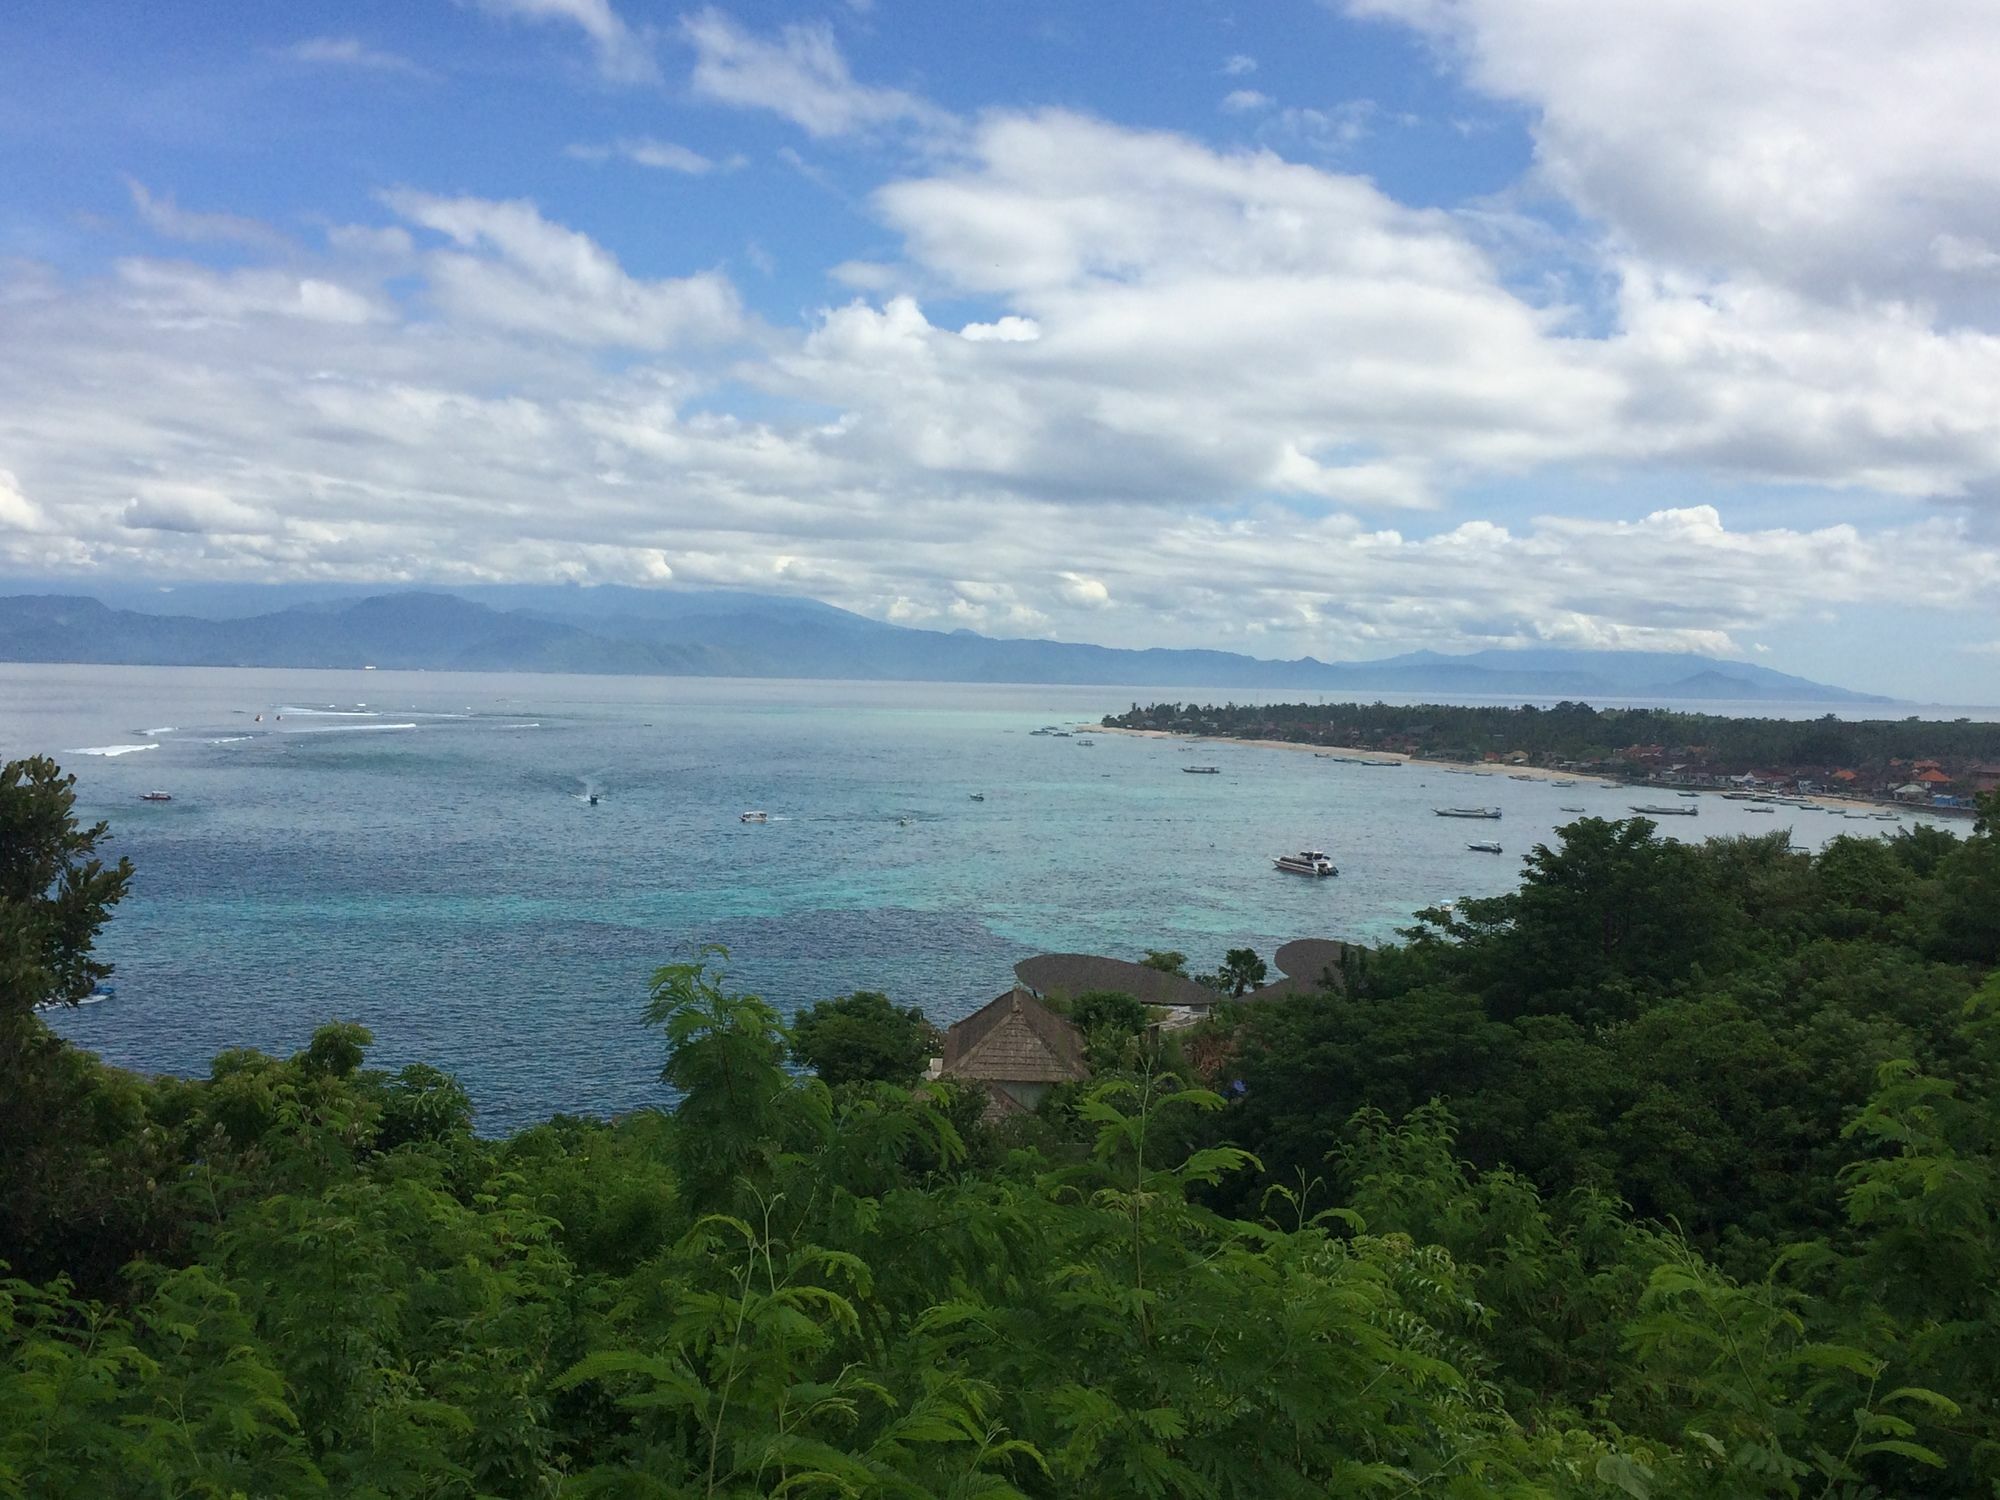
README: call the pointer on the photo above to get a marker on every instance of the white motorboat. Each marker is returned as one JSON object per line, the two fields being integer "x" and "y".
{"x": 1306, "y": 862}
{"x": 755, "y": 817}
{"x": 1486, "y": 848}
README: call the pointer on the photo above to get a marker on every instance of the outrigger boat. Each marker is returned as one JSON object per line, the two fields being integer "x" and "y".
{"x": 1467, "y": 812}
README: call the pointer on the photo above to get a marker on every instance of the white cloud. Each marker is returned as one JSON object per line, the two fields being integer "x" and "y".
{"x": 623, "y": 55}
{"x": 1243, "y": 101}
{"x": 350, "y": 52}
{"x": 1084, "y": 592}
{"x": 177, "y": 294}
{"x": 665, "y": 156}
{"x": 519, "y": 271}
{"x": 1821, "y": 144}
{"x": 17, "y": 511}
{"x": 1239, "y": 64}
{"x": 800, "y": 74}
{"x": 1007, "y": 330}
{"x": 164, "y": 217}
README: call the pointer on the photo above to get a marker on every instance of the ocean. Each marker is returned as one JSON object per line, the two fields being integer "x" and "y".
{"x": 417, "y": 852}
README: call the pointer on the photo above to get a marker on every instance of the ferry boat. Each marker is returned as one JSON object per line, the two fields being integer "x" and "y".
{"x": 1202, "y": 770}
{"x": 1467, "y": 812}
{"x": 1656, "y": 810}
{"x": 1485, "y": 848}
{"x": 1305, "y": 862}
{"x": 156, "y": 796}
{"x": 755, "y": 817}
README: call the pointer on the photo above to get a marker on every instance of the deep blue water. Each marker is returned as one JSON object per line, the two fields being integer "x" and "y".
{"x": 448, "y": 884}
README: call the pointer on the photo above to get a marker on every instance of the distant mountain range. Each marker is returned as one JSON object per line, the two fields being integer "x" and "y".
{"x": 525, "y": 628}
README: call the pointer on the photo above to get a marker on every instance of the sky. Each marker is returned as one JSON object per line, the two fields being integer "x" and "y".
{"x": 1329, "y": 327}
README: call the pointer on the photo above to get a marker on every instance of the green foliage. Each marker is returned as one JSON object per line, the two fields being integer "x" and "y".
{"x": 1710, "y": 1211}
{"x": 55, "y": 893}
{"x": 1242, "y": 970}
{"x": 863, "y": 1038}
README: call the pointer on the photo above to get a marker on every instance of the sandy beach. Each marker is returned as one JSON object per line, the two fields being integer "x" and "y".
{"x": 1526, "y": 773}
{"x": 1385, "y": 757}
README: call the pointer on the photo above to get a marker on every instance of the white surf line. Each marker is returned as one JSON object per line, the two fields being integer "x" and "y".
{"x": 348, "y": 729}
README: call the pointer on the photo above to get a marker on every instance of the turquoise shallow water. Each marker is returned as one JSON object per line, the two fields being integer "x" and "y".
{"x": 448, "y": 884}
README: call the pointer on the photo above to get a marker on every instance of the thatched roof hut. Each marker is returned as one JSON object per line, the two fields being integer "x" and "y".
{"x": 1072, "y": 974}
{"x": 1307, "y": 964}
{"x": 1018, "y": 1048}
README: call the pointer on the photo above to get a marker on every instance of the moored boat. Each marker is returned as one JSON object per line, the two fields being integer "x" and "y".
{"x": 1467, "y": 812}
{"x": 1660, "y": 810}
{"x": 156, "y": 796}
{"x": 1485, "y": 848}
{"x": 1202, "y": 770}
{"x": 1306, "y": 862}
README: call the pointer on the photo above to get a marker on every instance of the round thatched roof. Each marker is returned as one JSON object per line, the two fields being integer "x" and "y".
{"x": 1072, "y": 974}
{"x": 1306, "y": 959}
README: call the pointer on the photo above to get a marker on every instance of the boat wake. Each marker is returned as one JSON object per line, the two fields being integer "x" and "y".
{"x": 349, "y": 729}
{"x": 113, "y": 749}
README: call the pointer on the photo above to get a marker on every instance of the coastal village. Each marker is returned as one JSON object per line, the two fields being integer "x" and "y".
{"x": 1826, "y": 758}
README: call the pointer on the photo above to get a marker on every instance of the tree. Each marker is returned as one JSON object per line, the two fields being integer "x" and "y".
{"x": 861, "y": 1038}
{"x": 1242, "y": 968}
{"x": 1108, "y": 1020}
{"x": 55, "y": 893}
{"x": 1166, "y": 960}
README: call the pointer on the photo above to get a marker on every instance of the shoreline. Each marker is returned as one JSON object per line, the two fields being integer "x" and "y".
{"x": 1379, "y": 757}
{"x": 1526, "y": 773}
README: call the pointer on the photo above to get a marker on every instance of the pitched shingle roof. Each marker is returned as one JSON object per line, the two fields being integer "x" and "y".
{"x": 1015, "y": 1039}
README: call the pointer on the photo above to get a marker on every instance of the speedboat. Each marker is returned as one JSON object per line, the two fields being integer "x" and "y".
{"x": 1483, "y": 848}
{"x": 755, "y": 817}
{"x": 1467, "y": 812}
{"x": 1659, "y": 810}
{"x": 1305, "y": 862}
{"x": 156, "y": 796}
{"x": 593, "y": 799}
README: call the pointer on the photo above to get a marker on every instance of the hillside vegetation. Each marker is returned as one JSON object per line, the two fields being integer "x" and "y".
{"x": 1672, "y": 1173}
